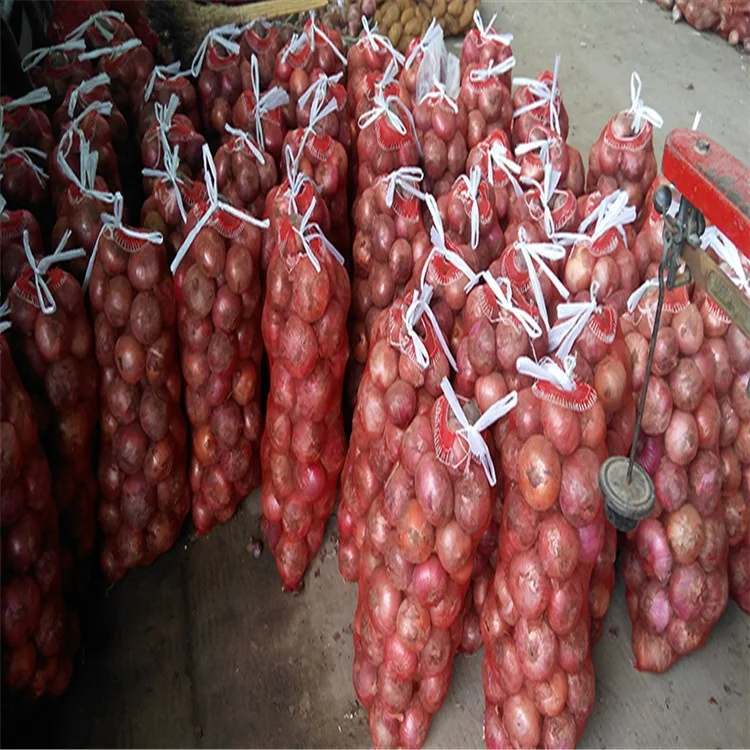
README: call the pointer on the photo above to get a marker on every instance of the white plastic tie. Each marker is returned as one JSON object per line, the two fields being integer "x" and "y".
{"x": 320, "y": 34}
{"x": 96, "y": 20}
{"x": 47, "y": 302}
{"x": 534, "y": 255}
{"x": 728, "y": 253}
{"x": 492, "y": 69}
{"x": 545, "y": 94}
{"x": 546, "y": 190}
{"x": 247, "y": 141}
{"x": 382, "y": 108}
{"x": 472, "y": 433}
{"x": 272, "y": 99}
{"x": 36, "y": 56}
{"x": 37, "y": 96}
{"x": 697, "y": 120}
{"x": 222, "y": 35}
{"x": 437, "y": 238}
{"x": 543, "y": 146}
{"x": 433, "y": 32}
{"x": 165, "y": 112}
{"x": 215, "y": 203}
{"x": 548, "y": 370}
{"x": 307, "y": 231}
{"x": 438, "y": 94}
{"x": 406, "y": 179}
{"x": 163, "y": 73}
{"x": 113, "y": 52}
{"x": 85, "y": 87}
{"x": 498, "y": 157}
{"x": 612, "y": 212}
{"x": 572, "y": 318}
{"x": 25, "y": 153}
{"x": 320, "y": 84}
{"x": 419, "y": 307}
{"x": 472, "y": 183}
{"x": 503, "y": 292}
{"x": 114, "y": 220}
{"x": 640, "y": 293}
{"x": 641, "y": 113}
{"x": 4, "y": 312}
{"x": 169, "y": 173}
{"x": 488, "y": 32}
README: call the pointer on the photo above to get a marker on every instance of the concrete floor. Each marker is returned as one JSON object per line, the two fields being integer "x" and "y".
{"x": 202, "y": 649}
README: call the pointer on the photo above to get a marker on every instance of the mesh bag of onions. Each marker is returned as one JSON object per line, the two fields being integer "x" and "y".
{"x": 731, "y": 352}
{"x": 538, "y": 674}
{"x": 142, "y": 460}
{"x": 484, "y": 44}
{"x": 53, "y": 347}
{"x": 168, "y": 131}
{"x": 337, "y": 123}
{"x": 244, "y": 173}
{"x": 262, "y": 40}
{"x": 648, "y": 246}
{"x": 317, "y": 47}
{"x": 39, "y": 635}
{"x": 14, "y": 225}
{"x": 296, "y": 193}
{"x": 165, "y": 82}
{"x": 262, "y": 114}
{"x": 623, "y": 157}
{"x": 223, "y": 74}
{"x": 407, "y": 360}
{"x": 485, "y": 92}
{"x": 101, "y": 29}
{"x": 539, "y": 101}
{"x": 468, "y": 214}
{"x": 676, "y": 560}
{"x": 172, "y": 196}
{"x": 421, "y": 537}
{"x": 217, "y": 285}
{"x": 129, "y": 66}
{"x": 323, "y": 159}
{"x": 390, "y": 240}
{"x": 303, "y": 446}
{"x": 86, "y": 143}
{"x": 441, "y": 121}
{"x": 24, "y": 123}
{"x": 497, "y": 165}
{"x": 546, "y": 145}
{"x": 58, "y": 67}
{"x": 371, "y": 53}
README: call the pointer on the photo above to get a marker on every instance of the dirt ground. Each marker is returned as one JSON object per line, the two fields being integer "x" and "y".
{"x": 203, "y": 649}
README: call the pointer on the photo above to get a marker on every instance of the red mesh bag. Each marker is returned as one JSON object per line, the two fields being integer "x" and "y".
{"x": 136, "y": 16}
{"x": 23, "y": 179}
{"x": 172, "y": 196}
{"x": 539, "y": 101}
{"x": 129, "y": 65}
{"x": 262, "y": 40}
{"x": 294, "y": 195}
{"x": 389, "y": 241}
{"x": 676, "y": 560}
{"x": 169, "y": 131}
{"x": 86, "y": 143}
{"x": 142, "y": 459}
{"x": 53, "y": 345}
{"x": 468, "y": 214}
{"x": 538, "y": 674}
{"x": 217, "y": 285}
{"x": 323, "y": 159}
{"x": 734, "y": 24}
{"x": 222, "y": 73}
{"x": 165, "y": 82}
{"x": 624, "y": 154}
{"x": 68, "y": 14}
{"x": 484, "y": 44}
{"x": 39, "y": 634}
{"x": 547, "y": 146}
{"x": 421, "y": 537}
{"x": 486, "y": 96}
{"x": 387, "y": 139}
{"x": 600, "y": 253}
{"x": 407, "y": 360}
{"x": 316, "y": 48}
{"x": 262, "y": 114}
{"x": 303, "y": 446}
{"x": 371, "y": 53}
{"x": 58, "y": 67}
{"x": 13, "y": 225}
{"x": 244, "y": 173}
{"x": 105, "y": 28}
{"x": 26, "y": 124}
{"x": 495, "y": 159}
{"x": 441, "y": 123}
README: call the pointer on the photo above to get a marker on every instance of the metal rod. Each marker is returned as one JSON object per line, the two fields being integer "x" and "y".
{"x": 651, "y": 350}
